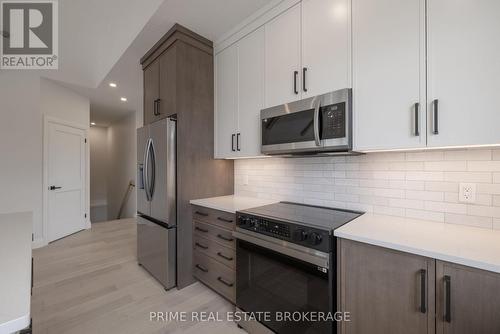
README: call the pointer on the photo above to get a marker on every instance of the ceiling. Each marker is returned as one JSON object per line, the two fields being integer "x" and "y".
{"x": 210, "y": 19}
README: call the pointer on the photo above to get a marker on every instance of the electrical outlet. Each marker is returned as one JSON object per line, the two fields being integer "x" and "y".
{"x": 467, "y": 193}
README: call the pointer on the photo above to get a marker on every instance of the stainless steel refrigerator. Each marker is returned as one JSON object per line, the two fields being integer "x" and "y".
{"x": 156, "y": 200}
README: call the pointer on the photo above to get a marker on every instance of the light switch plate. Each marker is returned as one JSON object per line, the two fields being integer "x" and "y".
{"x": 467, "y": 193}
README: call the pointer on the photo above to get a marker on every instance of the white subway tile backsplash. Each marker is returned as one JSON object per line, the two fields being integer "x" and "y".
{"x": 421, "y": 185}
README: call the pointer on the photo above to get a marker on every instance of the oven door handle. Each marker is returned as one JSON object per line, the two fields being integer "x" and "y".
{"x": 318, "y": 258}
{"x": 317, "y": 139}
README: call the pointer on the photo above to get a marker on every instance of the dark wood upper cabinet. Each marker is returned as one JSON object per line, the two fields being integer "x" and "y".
{"x": 168, "y": 83}
{"x": 151, "y": 91}
{"x": 467, "y": 300}
{"x": 385, "y": 291}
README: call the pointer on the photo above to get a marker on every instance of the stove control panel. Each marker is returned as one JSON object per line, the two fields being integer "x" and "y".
{"x": 297, "y": 234}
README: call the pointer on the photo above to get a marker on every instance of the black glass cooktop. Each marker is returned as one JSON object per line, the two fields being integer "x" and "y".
{"x": 307, "y": 215}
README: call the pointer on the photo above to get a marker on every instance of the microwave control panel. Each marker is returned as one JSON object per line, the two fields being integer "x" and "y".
{"x": 333, "y": 121}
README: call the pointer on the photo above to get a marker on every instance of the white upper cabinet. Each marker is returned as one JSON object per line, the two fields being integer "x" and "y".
{"x": 282, "y": 58}
{"x": 325, "y": 46}
{"x": 389, "y": 105}
{"x": 463, "y": 72}
{"x": 226, "y": 102}
{"x": 250, "y": 92}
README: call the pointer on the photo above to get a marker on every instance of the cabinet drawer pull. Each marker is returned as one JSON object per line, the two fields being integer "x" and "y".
{"x": 423, "y": 292}
{"x": 201, "y": 246}
{"x": 200, "y": 229}
{"x": 225, "y": 220}
{"x": 232, "y": 142}
{"x": 225, "y": 257}
{"x": 203, "y": 214}
{"x": 205, "y": 270}
{"x": 417, "y": 119}
{"x": 447, "y": 298}
{"x": 238, "y": 141}
{"x": 220, "y": 236}
{"x": 304, "y": 71}
{"x": 220, "y": 279}
{"x": 435, "y": 111}
{"x": 295, "y": 75}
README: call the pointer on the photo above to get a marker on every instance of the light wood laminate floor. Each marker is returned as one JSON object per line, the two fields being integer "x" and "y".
{"x": 90, "y": 283}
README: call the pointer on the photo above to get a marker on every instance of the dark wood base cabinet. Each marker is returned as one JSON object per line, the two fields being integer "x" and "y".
{"x": 391, "y": 292}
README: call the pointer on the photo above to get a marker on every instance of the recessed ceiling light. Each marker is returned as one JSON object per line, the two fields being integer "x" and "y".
{"x": 124, "y": 99}
{"x": 112, "y": 84}
{"x": 92, "y": 123}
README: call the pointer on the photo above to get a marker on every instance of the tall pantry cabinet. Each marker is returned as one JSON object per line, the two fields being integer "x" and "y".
{"x": 178, "y": 80}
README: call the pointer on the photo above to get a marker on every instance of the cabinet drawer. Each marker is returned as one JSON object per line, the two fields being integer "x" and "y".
{"x": 215, "y": 275}
{"x": 224, "y": 255}
{"x": 222, "y": 236}
{"x": 216, "y": 217}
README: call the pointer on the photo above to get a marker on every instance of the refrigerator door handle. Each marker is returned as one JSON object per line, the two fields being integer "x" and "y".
{"x": 145, "y": 173}
{"x": 152, "y": 157}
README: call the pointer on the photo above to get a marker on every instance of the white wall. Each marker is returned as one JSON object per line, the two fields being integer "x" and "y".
{"x": 122, "y": 148}
{"x": 422, "y": 185}
{"x": 21, "y": 145}
{"x": 24, "y": 99}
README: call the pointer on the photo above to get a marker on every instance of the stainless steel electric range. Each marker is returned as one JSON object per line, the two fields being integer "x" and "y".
{"x": 286, "y": 266}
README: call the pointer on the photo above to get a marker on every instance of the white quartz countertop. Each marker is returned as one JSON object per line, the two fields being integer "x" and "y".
{"x": 15, "y": 274}
{"x": 469, "y": 246}
{"x": 232, "y": 203}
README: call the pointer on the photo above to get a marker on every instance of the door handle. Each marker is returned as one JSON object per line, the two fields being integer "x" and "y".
{"x": 54, "y": 188}
{"x": 304, "y": 71}
{"x": 232, "y": 142}
{"x": 238, "y": 141}
{"x": 435, "y": 111}
{"x": 295, "y": 76}
{"x": 317, "y": 139}
{"x": 417, "y": 125}
{"x": 155, "y": 112}
{"x": 447, "y": 298}
{"x": 158, "y": 112}
{"x": 145, "y": 172}
{"x": 423, "y": 292}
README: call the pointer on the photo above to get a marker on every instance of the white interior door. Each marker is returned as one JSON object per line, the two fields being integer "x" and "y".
{"x": 66, "y": 163}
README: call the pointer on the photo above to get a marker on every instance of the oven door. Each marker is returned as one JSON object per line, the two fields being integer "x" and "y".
{"x": 274, "y": 281}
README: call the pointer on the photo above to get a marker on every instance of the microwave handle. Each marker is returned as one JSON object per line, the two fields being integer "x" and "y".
{"x": 316, "y": 124}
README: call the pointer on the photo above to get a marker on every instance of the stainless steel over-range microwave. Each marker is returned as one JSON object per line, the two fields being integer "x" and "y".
{"x": 317, "y": 125}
